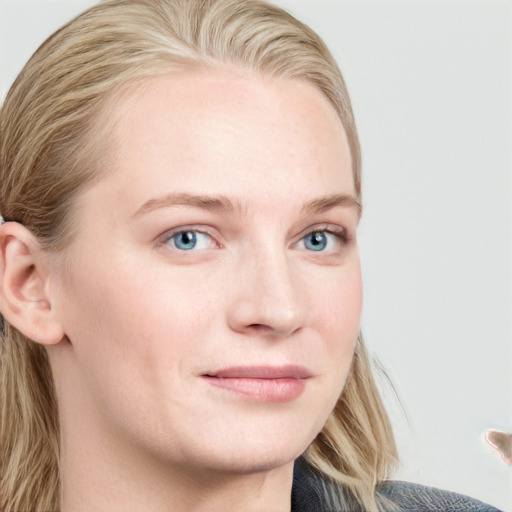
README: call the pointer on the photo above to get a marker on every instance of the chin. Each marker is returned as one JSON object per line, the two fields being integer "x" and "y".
{"x": 255, "y": 461}
{"x": 253, "y": 452}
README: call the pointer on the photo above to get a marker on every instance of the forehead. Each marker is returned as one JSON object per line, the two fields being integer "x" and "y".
{"x": 225, "y": 131}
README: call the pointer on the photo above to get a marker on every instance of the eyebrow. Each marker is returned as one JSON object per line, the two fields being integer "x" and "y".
{"x": 323, "y": 204}
{"x": 220, "y": 203}
{"x": 205, "y": 202}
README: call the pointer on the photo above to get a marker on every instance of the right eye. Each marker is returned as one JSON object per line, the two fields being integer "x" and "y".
{"x": 189, "y": 240}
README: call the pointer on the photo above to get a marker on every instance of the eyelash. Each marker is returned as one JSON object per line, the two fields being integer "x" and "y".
{"x": 341, "y": 235}
{"x": 182, "y": 230}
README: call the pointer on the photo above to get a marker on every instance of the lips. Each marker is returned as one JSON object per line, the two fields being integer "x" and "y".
{"x": 261, "y": 383}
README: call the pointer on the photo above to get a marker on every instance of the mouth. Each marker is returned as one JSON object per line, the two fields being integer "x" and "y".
{"x": 261, "y": 383}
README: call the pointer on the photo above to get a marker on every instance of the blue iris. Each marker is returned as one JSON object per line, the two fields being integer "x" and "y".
{"x": 185, "y": 240}
{"x": 316, "y": 241}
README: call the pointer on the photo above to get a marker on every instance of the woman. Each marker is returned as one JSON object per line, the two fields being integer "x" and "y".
{"x": 180, "y": 185}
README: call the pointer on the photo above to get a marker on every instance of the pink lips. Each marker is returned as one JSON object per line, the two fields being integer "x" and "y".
{"x": 262, "y": 383}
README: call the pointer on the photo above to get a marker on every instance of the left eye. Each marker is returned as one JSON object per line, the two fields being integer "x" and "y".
{"x": 319, "y": 241}
{"x": 190, "y": 240}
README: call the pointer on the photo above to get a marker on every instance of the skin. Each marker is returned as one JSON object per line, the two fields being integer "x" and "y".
{"x": 143, "y": 321}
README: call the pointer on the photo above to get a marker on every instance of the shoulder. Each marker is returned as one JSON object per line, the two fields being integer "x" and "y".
{"x": 420, "y": 498}
{"x": 311, "y": 490}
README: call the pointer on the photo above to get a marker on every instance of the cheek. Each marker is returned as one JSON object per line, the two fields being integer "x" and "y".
{"x": 339, "y": 307}
{"x": 339, "y": 317}
{"x": 132, "y": 338}
{"x": 143, "y": 318}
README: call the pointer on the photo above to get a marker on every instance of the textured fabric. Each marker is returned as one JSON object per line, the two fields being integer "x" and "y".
{"x": 419, "y": 498}
{"x": 308, "y": 495}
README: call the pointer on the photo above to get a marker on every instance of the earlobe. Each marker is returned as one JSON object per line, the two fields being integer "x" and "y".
{"x": 24, "y": 298}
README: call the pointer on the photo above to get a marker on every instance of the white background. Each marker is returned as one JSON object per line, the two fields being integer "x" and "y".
{"x": 431, "y": 88}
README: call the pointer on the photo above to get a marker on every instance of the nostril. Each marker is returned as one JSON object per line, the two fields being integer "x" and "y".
{"x": 259, "y": 328}
{"x": 272, "y": 330}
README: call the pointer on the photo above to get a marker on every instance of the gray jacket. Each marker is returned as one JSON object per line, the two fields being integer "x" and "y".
{"x": 308, "y": 496}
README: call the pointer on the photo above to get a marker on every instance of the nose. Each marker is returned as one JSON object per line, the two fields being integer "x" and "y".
{"x": 267, "y": 299}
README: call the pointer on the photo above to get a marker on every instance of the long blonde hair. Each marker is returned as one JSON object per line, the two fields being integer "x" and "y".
{"x": 49, "y": 154}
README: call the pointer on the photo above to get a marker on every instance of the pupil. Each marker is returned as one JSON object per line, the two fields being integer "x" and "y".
{"x": 186, "y": 240}
{"x": 318, "y": 241}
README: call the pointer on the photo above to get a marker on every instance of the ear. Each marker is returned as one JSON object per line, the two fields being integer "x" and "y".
{"x": 24, "y": 292}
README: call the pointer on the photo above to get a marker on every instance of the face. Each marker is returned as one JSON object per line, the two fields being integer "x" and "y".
{"x": 212, "y": 296}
